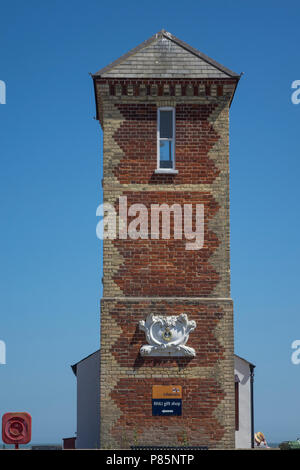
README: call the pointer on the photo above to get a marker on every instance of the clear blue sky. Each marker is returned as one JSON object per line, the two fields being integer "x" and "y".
{"x": 50, "y": 187}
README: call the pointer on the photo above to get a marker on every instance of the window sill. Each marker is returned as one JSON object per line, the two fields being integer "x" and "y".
{"x": 166, "y": 171}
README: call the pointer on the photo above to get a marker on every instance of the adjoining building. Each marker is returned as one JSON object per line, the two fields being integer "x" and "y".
{"x": 244, "y": 403}
{"x": 87, "y": 372}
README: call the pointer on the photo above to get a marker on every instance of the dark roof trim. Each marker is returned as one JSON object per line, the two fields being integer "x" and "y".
{"x": 177, "y": 41}
{"x": 96, "y": 98}
{"x": 74, "y": 366}
{"x": 237, "y": 82}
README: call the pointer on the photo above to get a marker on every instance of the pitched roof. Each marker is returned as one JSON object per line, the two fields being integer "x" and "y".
{"x": 245, "y": 360}
{"x": 165, "y": 56}
{"x": 74, "y": 366}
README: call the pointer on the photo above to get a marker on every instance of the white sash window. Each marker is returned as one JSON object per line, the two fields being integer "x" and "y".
{"x": 166, "y": 140}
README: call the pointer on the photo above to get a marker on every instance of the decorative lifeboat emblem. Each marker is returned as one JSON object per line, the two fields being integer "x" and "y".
{"x": 167, "y": 336}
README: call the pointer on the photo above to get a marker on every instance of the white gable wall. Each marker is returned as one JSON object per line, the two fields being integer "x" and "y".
{"x": 88, "y": 402}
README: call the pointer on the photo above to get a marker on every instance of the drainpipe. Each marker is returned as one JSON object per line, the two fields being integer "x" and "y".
{"x": 252, "y": 403}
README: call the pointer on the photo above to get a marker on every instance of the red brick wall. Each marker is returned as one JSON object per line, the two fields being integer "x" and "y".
{"x": 195, "y": 137}
{"x": 126, "y": 348}
{"x": 161, "y": 276}
{"x": 164, "y": 267}
{"x": 197, "y": 425}
{"x": 126, "y": 410}
{"x": 201, "y": 396}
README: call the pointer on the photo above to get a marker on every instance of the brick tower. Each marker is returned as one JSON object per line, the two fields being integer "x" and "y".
{"x": 164, "y": 111}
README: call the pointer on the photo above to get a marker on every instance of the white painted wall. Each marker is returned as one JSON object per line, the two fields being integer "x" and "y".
{"x": 88, "y": 406}
{"x": 243, "y": 435}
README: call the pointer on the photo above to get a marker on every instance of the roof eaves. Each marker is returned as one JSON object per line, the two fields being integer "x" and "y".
{"x": 236, "y": 84}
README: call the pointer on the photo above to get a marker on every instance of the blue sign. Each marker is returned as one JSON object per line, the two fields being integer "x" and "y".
{"x": 166, "y": 407}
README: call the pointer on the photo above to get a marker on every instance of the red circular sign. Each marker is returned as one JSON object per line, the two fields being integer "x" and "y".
{"x": 16, "y": 428}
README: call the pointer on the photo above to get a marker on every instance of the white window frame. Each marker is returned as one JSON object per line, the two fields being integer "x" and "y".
{"x": 170, "y": 171}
